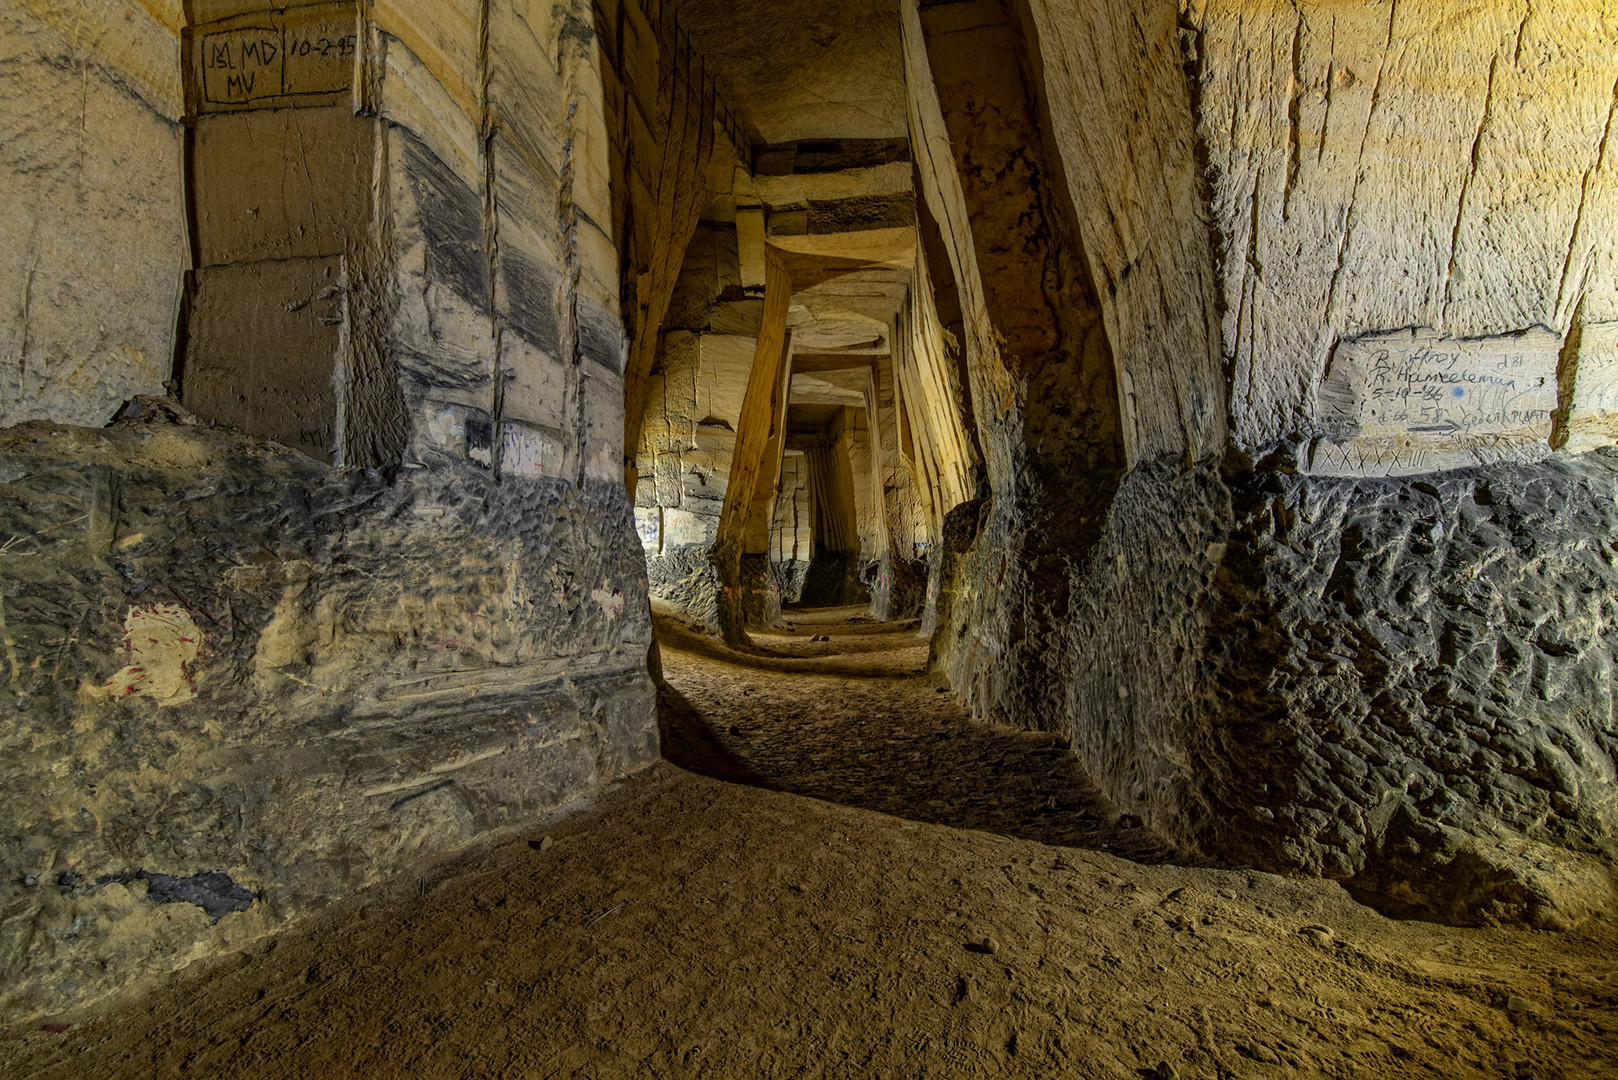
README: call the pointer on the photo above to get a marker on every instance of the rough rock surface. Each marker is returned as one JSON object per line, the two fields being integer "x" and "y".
{"x": 1116, "y": 105}
{"x": 684, "y": 578}
{"x": 1413, "y": 686}
{"x": 1117, "y": 672}
{"x": 221, "y": 658}
{"x": 1403, "y": 684}
{"x": 898, "y": 587}
{"x": 1127, "y": 672}
{"x": 1400, "y": 163}
{"x": 92, "y": 227}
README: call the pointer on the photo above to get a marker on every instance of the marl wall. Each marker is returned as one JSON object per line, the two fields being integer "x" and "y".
{"x": 244, "y": 682}
{"x": 93, "y": 247}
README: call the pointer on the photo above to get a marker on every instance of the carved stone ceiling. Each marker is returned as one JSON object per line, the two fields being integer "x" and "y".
{"x": 810, "y": 71}
{"x": 806, "y": 69}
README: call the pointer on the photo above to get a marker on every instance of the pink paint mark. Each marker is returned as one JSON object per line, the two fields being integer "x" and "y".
{"x": 54, "y": 1027}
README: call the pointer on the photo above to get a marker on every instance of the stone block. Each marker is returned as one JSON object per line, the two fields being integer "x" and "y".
{"x": 264, "y": 346}
{"x": 1417, "y": 401}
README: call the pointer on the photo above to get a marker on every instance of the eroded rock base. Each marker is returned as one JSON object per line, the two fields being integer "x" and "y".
{"x": 1401, "y": 684}
{"x": 1413, "y": 685}
{"x": 242, "y": 684}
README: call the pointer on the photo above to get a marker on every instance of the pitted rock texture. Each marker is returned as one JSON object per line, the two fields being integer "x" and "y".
{"x": 684, "y": 578}
{"x": 1096, "y": 638}
{"x": 833, "y": 579}
{"x": 760, "y": 594}
{"x": 1127, "y": 673}
{"x": 898, "y": 587}
{"x": 789, "y": 578}
{"x": 1404, "y": 685}
{"x": 1413, "y": 686}
{"x": 351, "y": 675}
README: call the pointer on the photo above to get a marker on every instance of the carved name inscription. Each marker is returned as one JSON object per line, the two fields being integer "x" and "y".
{"x": 302, "y": 53}
{"x": 1415, "y": 401}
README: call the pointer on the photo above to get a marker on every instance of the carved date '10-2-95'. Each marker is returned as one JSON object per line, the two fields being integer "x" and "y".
{"x": 254, "y": 63}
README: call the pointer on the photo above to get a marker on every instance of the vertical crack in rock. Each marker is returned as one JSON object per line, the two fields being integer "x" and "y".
{"x": 567, "y": 220}
{"x": 1584, "y": 197}
{"x": 1294, "y": 120}
{"x": 1249, "y": 296}
{"x": 1331, "y": 77}
{"x": 1567, "y": 374}
{"x": 1347, "y": 234}
{"x": 1466, "y": 184}
{"x": 491, "y": 240}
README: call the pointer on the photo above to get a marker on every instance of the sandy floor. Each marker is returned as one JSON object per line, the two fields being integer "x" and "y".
{"x": 851, "y": 721}
{"x": 684, "y": 926}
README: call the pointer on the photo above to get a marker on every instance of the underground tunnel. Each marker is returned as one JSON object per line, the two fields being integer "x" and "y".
{"x": 845, "y": 538}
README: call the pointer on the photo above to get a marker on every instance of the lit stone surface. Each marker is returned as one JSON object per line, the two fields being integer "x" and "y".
{"x": 1227, "y": 387}
{"x": 1401, "y": 163}
{"x": 1415, "y": 402}
{"x": 92, "y": 225}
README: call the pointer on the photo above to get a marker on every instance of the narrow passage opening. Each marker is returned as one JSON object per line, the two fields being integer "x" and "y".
{"x": 812, "y": 322}
{"x": 837, "y": 705}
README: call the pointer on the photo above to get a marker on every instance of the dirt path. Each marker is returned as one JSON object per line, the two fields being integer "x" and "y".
{"x": 682, "y": 926}
{"x": 850, "y": 719}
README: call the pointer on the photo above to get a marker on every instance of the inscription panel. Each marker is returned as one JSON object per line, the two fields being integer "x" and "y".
{"x": 1415, "y": 401}
{"x": 530, "y": 451}
{"x": 275, "y": 59}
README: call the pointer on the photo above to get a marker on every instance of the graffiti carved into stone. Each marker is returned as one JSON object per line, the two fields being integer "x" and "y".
{"x": 1416, "y": 401}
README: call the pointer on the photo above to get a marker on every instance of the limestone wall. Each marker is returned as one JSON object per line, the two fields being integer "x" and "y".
{"x": 280, "y": 177}
{"x": 1119, "y": 117}
{"x": 93, "y": 245}
{"x": 694, "y": 398}
{"x": 1382, "y": 166}
{"x": 688, "y": 439}
{"x": 245, "y": 681}
{"x": 791, "y": 535}
{"x": 1069, "y": 284}
{"x": 506, "y": 331}
{"x": 667, "y": 126}
{"x": 1408, "y": 643}
{"x": 1394, "y": 682}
